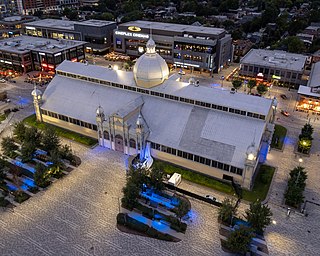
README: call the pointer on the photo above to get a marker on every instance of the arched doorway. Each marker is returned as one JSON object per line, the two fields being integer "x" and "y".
{"x": 106, "y": 135}
{"x": 118, "y": 143}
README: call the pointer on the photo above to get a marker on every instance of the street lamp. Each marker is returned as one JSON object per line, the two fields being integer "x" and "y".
{"x": 300, "y": 159}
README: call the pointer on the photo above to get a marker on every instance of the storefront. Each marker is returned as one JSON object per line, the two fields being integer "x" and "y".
{"x": 308, "y": 101}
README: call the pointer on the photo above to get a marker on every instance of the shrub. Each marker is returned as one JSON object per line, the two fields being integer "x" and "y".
{"x": 21, "y": 197}
{"x": 121, "y": 218}
{"x": 177, "y": 225}
{"x": 165, "y": 237}
{"x": 146, "y": 211}
{"x": 152, "y": 232}
{"x": 136, "y": 225}
{"x": 3, "y": 202}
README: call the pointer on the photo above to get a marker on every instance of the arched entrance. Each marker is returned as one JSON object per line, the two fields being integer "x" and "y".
{"x": 118, "y": 143}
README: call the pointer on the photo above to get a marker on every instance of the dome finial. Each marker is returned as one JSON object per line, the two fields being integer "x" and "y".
{"x": 151, "y": 45}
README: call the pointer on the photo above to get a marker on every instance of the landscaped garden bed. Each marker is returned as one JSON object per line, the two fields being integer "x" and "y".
{"x": 154, "y": 212}
{"x": 41, "y": 159}
{"x": 278, "y": 137}
{"x": 32, "y": 121}
{"x": 131, "y": 225}
{"x": 242, "y": 236}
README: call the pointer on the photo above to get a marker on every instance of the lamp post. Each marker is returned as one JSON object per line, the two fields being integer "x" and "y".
{"x": 222, "y": 79}
{"x": 300, "y": 159}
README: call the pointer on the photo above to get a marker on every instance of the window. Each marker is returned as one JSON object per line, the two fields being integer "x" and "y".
{"x": 196, "y": 158}
{"x": 180, "y": 153}
{"x": 226, "y": 167}
{"x": 208, "y": 162}
{"x": 220, "y": 165}
{"x": 132, "y": 143}
{"x": 214, "y": 163}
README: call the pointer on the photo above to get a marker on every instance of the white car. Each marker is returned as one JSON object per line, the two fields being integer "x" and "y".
{"x": 211, "y": 197}
{"x": 2, "y": 80}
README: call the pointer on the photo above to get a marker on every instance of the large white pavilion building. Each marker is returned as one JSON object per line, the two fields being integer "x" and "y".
{"x": 208, "y": 130}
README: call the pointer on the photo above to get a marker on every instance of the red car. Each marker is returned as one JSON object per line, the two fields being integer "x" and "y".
{"x": 285, "y": 113}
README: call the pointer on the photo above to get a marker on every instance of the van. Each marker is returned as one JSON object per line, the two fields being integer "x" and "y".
{"x": 175, "y": 179}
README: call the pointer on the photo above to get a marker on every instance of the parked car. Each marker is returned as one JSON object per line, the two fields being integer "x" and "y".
{"x": 211, "y": 197}
{"x": 2, "y": 80}
{"x": 283, "y": 96}
{"x": 285, "y": 113}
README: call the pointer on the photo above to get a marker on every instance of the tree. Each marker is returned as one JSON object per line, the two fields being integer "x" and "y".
{"x": 138, "y": 176}
{"x": 57, "y": 165}
{"x": 130, "y": 194}
{"x": 41, "y": 176}
{"x": 19, "y": 131}
{"x": 16, "y": 173}
{"x": 262, "y": 89}
{"x": 107, "y": 16}
{"x": 304, "y": 145}
{"x": 239, "y": 240}
{"x": 227, "y": 210}
{"x": 251, "y": 84}
{"x": 236, "y": 84}
{"x": 3, "y": 174}
{"x": 66, "y": 153}
{"x": 8, "y": 146}
{"x": 156, "y": 179}
{"x": 296, "y": 185}
{"x": 32, "y": 136}
{"x": 27, "y": 151}
{"x": 306, "y": 132}
{"x": 182, "y": 209}
{"x": 50, "y": 140}
{"x": 259, "y": 216}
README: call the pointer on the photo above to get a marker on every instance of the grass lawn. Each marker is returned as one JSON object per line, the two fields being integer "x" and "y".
{"x": 261, "y": 184}
{"x": 31, "y": 120}
{"x": 197, "y": 177}
{"x": 3, "y": 117}
{"x": 259, "y": 191}
{"x": 278, "y": 136}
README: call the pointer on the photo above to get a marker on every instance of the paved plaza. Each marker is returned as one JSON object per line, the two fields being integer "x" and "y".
{"x": 77, "y": 216}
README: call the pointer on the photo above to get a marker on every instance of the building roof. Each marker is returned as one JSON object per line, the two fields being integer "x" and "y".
{"x": 96, "y": 23}
{"x": 314, "y": 77}
{"x": 306, "y": 90}
{"x": 275, "y": 59}
{"x": 211, "y": 95}
{"x": 24, "y": 44}
{"x": 68, "y": 24}
{"x": 179, "y": 28}
{"x": 53, "y": 23}
{"x": 213, "y": 134}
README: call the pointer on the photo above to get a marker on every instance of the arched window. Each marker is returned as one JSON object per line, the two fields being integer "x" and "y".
{"x": 119, "y": 137}
{"x": 132, "y": 143}
{"x": 106, "y": 135}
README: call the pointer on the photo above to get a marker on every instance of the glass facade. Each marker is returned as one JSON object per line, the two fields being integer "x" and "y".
{"x": 197, "y": 158}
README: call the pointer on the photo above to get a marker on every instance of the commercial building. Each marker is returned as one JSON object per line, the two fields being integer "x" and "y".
{"x": 280, "y": 66}
{"x": 97, "y": 33}
{"x": 309, "y": 96}
{"x": 29, "y": 7}
{"x": 25, "y": 53}
{"x": 202, "y": 48}
{"x": 12, "y": 26}
{"x": 146, "y": 112}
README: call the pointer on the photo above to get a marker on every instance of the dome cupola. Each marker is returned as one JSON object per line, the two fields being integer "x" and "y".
{"x": 150, "y": 69}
